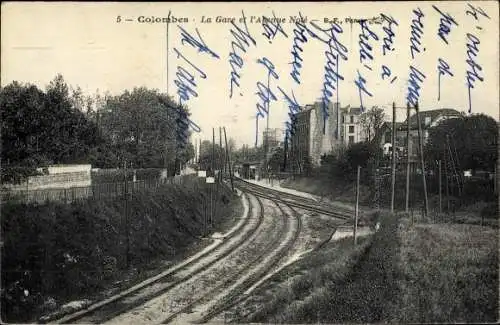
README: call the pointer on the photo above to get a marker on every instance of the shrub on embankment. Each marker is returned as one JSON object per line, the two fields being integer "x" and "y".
{"x": 67, "y": 251}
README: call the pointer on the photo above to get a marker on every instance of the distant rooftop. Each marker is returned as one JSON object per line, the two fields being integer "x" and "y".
{"x": 432, "y": 114}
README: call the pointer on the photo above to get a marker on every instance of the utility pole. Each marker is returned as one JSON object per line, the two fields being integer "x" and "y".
{"x": 169, "y": 12}
{"x": 219, "y": 176}
{"x": 213, "y": 170}
{"x": 198, "y": 151}
{"x": 127, "y": 235}
{"x": 440, "y": 192}
{"x": 393, "y": 178}
{"x": 222, "y": 155}
{"x": 407, "y": 205}
{"x": 285, "y": 153}
{"x": 356, "y": 211}
{"x": 447, "y": 184}
{"x": 422, "y": 165}
{"x": 229, "y": 160}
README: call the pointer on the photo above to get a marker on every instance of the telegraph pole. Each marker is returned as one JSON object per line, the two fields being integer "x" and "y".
{"x": 440, "y": 194}
{"x": 213, "y": 170}
{"x": 168, "y": 18}
{"x": 422, "y": 165}
{"x": 407, "y": 157}
{"x": 222, "y": 155}
{"x": 393, "y": 178}
{"x": 356, "y": 211}
{"x": 127, "y": 235}
{"x": 229, "y": 161}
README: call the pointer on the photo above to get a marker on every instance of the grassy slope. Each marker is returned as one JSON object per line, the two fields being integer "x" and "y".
{"x": 425, "y": 273}
{"x": 294, "y": 293}
{"x": 74, "y": 250}
{"x": 449, "y": 274}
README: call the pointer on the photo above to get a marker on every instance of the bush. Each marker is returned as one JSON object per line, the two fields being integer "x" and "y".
{"x": 67, "y": 250}
{"x": 118, "y": 175}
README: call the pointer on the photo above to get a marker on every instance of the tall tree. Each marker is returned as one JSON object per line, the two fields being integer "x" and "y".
{"x": 69, "y": 136}
{"x": 142, "y": 128}
{"x": 371, "y": 121}
{"x": 472, "y": 140}
{"x": 41, "y": 128}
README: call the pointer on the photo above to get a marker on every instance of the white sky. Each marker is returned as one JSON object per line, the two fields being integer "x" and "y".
{"x": 84, "y": 42}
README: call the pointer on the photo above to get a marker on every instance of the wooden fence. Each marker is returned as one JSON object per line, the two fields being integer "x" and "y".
{"x": 96, "y": 191}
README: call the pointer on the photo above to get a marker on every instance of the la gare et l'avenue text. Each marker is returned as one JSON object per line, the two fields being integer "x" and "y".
{"x": 254, "y": 19}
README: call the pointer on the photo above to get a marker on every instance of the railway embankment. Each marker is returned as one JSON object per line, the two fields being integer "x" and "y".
{"x": 404, "y": 273}
{"x": 54, "y": 253}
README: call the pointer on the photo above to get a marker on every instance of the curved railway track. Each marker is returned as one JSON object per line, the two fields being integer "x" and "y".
{"x": 138, "y": 294}
{"x": 295, "y": 200}
{"x": 230, "y": 290}
{"x": 237, "y": 295}
{"x": 238, "y": 282}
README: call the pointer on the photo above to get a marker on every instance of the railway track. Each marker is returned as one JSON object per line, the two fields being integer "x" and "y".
{"x": 232, "y": 287}
{"x": 295, "y": 200}
{"x": 230, "y": 290}
{"x": 169, "y": 279}
{"x": 238, "y": 294}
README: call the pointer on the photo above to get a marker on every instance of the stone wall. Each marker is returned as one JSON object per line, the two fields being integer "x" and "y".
{"x": 64, "y": 176}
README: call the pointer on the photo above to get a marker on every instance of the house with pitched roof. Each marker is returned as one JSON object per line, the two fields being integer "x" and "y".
{"x": 428, "y": 119}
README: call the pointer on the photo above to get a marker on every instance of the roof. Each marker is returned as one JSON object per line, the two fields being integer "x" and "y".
{"x": 355, "y": 110}
{"x": 389, "y": 125}
{"x": 351, "y": 110}
{"x": 433, "y": 114}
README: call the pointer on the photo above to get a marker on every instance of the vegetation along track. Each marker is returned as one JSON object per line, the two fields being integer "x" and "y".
{"x": 257, "y": 268}
{"x": 295, "y": 200}
{"x": 167, "y": 280}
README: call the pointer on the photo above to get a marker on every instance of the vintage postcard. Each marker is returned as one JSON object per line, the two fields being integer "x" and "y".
{"x": 242, "y": 162}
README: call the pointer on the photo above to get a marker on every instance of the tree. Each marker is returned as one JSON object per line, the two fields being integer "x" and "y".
{"x": 276, "y": 160}
{"x": 371, "y": 121}
{"x": 41, "y": 128}
{"x": 142, "y": 128}
{"x": 69, "y": 135}
{"x": 206, "y": 156}
{"x": 472, "y": 140}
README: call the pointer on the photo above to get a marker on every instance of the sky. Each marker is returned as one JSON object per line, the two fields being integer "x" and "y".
{"x": 118, "y": 46}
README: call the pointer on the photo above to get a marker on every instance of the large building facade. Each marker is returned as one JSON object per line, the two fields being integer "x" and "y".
{"x": 317, "y": 131}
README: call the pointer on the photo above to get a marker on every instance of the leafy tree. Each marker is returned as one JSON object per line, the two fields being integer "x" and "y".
{"x": 342, "y": 165}
{"x": 22, "y": 120}
{"x": 41, "y": 128}
{"x": 472, "y": 139}
{"x": 276, "y": 161}
{"x": 371, "y": 121}
{"x": 142, "y": 127}
{"x": 206, "y": 156}
{"x": 69, "y": 135}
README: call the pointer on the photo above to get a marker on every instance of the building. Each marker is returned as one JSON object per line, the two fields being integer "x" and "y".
{"x": 272, "y": 138}
{"x": 352, "y": 131}
{"x": 250, "y": 170}
{"x": 313, "y": 135}
{"x": 428, "y": 119}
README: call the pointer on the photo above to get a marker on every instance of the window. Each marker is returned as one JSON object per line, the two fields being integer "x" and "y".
{"x": 351, "y": 139}
{"x": 352, "y": 118}
{"x": 351, "y": 128}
